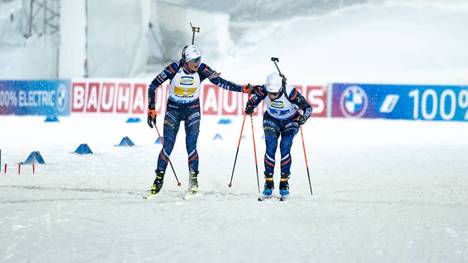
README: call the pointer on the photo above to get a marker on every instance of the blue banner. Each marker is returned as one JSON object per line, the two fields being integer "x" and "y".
{"x": 35, "y": 97}
{"x": 410, "y": 102}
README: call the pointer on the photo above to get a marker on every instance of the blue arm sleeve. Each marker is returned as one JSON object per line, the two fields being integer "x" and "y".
{"x": 260, "y": 90}
{"x": 205, "y": 71}
{"x": 168, "y": 73}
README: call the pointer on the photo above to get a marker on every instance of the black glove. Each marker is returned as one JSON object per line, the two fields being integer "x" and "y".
{"x": 151, "y": 116}
{"x": 301, "y": 119}
{"x": 249, "y": 109}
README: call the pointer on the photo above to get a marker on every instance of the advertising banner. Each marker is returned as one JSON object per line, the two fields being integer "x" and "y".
{"x": 130, "y": 97}
{"x": 410, "y": 102}
{"x": 106, "y": 96}
{"x": 35, "y": 97}
{"x": 317, "y": 96}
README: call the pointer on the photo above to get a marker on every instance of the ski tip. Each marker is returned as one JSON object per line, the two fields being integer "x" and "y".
{"x": 189, "y": 195}
{"x": 149, "y": 196}
{"x": 260, "y": 199}
{"x": 264, "y": 197}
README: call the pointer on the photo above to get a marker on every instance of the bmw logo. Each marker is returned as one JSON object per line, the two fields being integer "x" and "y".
{"x": 61, "y": 100}
{"x": 353, "y": 102}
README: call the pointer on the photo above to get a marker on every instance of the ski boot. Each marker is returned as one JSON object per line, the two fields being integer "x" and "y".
{"x": 193, "y": 182}
{"x": 269, "y": 185}
{"x": 284, "y": 185}
{"x": 158, "y": 182}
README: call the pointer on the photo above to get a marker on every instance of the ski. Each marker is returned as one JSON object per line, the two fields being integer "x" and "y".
{"x": 280, "y": 198}
{"x": 264, "y": 197}
{"x": 190, "y": 194}
{"x": 149, "y": 196}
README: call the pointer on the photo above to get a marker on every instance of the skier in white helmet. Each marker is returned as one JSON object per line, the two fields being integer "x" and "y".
{"x": 286, "y": 110}
{"x": 183, "y": 105}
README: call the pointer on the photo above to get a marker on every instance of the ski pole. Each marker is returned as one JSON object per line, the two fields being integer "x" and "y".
{"x": 305, "y": 157}
{"x": 237, "y": 151}
{"x": 255, "y": 153}
{"x": 172, "y": 167}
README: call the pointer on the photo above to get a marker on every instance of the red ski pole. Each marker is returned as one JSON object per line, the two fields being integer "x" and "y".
{"x": 305, "y": 157}
{"x": 237, "y": 151}
{"x": 255, "y": 153}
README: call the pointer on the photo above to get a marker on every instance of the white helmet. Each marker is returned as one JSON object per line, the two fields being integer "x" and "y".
{"x": 274, "y": 83}
{"x": 191, "y": 52}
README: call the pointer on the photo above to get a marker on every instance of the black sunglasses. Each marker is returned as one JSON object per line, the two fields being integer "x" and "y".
{"x": 274, "y": 94}
{"x": 195, "y": 60}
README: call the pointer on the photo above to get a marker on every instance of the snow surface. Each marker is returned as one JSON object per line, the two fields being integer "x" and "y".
{"x": 384, "y": 191}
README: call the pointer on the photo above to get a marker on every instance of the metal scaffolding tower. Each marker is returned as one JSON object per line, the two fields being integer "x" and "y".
{"x": 43, "y": 17}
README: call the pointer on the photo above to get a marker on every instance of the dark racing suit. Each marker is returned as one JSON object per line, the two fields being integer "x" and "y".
{"x": 281, "y": 118}
{"x": 184, "y": 105}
